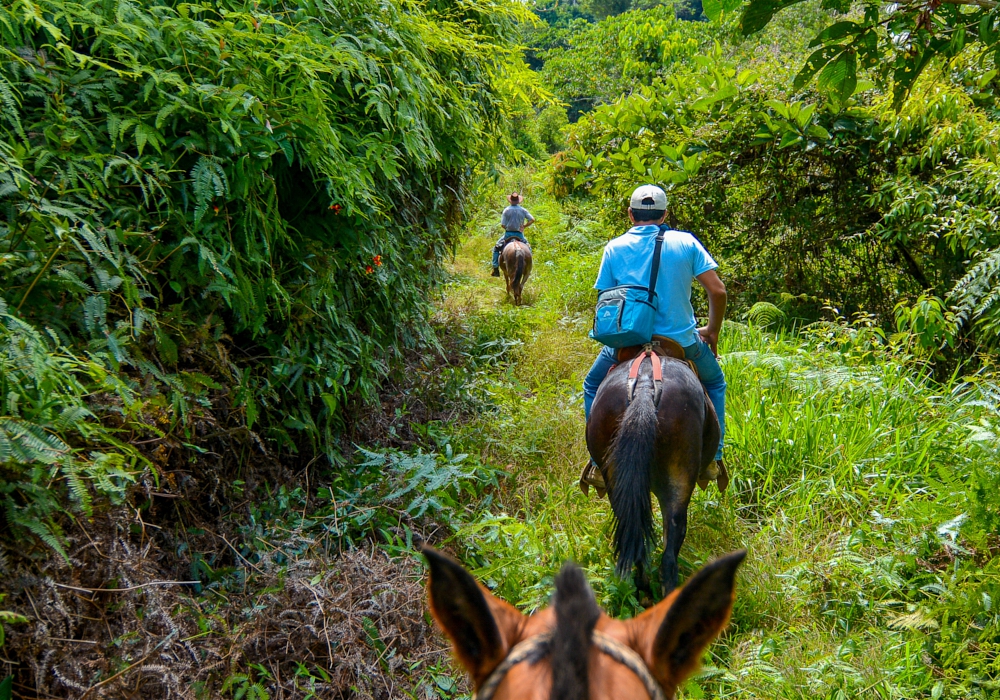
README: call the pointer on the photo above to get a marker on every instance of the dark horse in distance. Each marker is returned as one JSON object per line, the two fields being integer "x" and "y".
{"x": 652, "y": 434}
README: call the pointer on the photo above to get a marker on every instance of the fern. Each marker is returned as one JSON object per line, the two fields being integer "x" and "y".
{"x": 976, "y": 294}
{"x": 765, "y": 314}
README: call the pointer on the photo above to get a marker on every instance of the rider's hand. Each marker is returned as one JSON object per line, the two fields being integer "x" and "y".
{"x": 710, "y": 337}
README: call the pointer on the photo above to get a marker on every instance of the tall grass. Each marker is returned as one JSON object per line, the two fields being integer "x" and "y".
{"x": 864, "y": 490}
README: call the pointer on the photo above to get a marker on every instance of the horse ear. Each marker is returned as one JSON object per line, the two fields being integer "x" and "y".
{"x": 688, "y": 621}
{"x": 481, "y": 627}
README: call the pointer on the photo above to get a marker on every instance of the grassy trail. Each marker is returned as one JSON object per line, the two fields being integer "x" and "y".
{"x": 846, "y": 463}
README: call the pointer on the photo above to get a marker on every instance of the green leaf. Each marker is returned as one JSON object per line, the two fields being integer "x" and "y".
{"x": 839, "y": 78}
{"x": 166, "y": 346}
{"x": 908, "y": 69}
{"x": 816, "y": 61}
{"x": 819, "y": 132}
{"x": 758, "y": 13}
{"x": 714, "y": 8}
{"x": 805, "y": 116}
{"x": 790, "y": 138}
{"x": 836, "y": 32}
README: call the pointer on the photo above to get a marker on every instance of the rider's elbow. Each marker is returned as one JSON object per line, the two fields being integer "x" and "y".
{"x": 716, "y": 290}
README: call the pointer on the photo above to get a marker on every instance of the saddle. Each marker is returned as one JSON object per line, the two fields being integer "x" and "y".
{"x": 509, "y": 239}
{"x": 661, "y": 346}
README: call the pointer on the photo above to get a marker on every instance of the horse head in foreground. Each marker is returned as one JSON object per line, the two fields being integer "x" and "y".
{"x": 572, "y": 650}
{"x": 515, "y": 261}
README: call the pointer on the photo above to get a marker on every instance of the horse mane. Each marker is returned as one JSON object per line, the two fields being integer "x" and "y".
{"x": 576, "y": 615}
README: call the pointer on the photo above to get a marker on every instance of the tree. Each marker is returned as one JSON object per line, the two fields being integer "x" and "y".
{"x": 894, "y": 43}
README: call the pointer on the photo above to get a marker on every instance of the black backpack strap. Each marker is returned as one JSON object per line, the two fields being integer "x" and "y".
{"x": 656, "y": 261}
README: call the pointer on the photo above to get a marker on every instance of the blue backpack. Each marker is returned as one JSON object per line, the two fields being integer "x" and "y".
{"x": 624, "y": 315}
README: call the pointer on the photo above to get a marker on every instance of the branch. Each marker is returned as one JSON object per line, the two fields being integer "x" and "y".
{"x": 985, "y": 4}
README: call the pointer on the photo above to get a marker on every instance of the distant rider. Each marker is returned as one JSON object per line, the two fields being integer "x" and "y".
{"x": 627, "y": 260}
{"x": 514, "y": 220}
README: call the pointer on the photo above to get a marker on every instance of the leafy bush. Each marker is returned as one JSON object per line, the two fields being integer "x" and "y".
{"x": 852, "y": 206}
{"x": 270, "y": 186}
{"x": 551, "y": 122}
{"x": 607, "y": 59}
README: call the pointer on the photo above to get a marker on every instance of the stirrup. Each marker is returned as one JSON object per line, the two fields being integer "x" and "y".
{"x": 715, "y": 471}
{"x": 592, "y": 476}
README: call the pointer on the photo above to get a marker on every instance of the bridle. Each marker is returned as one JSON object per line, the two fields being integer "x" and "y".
{"x": 534, "y": 649}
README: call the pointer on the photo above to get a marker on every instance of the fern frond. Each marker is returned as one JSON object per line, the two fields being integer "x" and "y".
{"x": 764, "y": 314}
{"x": 978, "y": 291}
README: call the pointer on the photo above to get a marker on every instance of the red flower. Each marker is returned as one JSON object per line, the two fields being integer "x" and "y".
{"x": 335, "y": 208}
{"x": 369, "y": 270}
{"x": 377, "y": 260}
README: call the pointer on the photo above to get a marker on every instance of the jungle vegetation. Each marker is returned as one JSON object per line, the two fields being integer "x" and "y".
{"x": 249, "y": 345}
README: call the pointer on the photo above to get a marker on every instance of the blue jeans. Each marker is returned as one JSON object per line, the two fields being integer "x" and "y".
{"x": 708, "y": 370}
{"x": 499, "y": 246}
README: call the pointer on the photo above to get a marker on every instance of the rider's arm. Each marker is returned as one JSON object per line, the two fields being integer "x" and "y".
{"x": 605, "y": 275}
{"x": 716, "y": 292}
{"x": 529, "y": 221}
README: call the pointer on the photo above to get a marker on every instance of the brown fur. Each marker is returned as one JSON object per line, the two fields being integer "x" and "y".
{"x": 670, "y": 637}
{"x": 515, "y": 261}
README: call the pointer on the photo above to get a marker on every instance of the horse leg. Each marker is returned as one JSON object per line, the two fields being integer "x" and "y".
{"x": 675, "y": 519}
{"x": 643, "y": 586}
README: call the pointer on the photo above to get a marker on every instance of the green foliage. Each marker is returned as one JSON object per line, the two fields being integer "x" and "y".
{"x": 243, "y": 687}
{"x": 602, "y": 9}
{"x": 842, "y": 203}
{"x": 8, "y": 618}
{"x": 551, "y": 122}
{"x": 599, "y": 62}
{"x": 895, "y": 42}
{"x": 178, "y": 181}
{"x": 46, "y": 428}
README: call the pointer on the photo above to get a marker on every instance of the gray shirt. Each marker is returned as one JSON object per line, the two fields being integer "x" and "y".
{"x": 513, "y": 218}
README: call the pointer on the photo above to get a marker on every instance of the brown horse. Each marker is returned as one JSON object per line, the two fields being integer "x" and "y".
{"x": 572, "y": 650}
{"x": 515, "y": 261}
{"x": 658, "y": 441}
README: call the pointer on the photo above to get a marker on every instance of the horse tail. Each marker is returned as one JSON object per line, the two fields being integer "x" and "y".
{"x": 520, "y": 268}
{"x": 631, "y": 453}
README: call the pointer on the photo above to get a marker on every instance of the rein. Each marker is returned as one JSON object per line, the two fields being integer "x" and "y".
{"x": 534, "y": 649}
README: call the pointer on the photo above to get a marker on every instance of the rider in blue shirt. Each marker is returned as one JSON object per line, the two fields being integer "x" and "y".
{"x": 683, "y": 260}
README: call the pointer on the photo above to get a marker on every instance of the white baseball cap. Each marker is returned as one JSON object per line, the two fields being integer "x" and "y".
{"x": 648, "y": 198}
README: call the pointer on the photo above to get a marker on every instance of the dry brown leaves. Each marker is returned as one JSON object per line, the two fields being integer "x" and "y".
{"x": 358, "y": 616}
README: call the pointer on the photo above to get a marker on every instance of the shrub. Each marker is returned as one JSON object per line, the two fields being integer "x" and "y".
{"x": 272, "y": 185}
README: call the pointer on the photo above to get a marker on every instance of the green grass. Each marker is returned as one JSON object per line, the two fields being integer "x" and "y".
{"x": 864, "y": 492}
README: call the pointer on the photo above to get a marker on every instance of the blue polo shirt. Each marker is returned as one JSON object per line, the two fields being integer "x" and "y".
{"x": 628, "y": 259}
